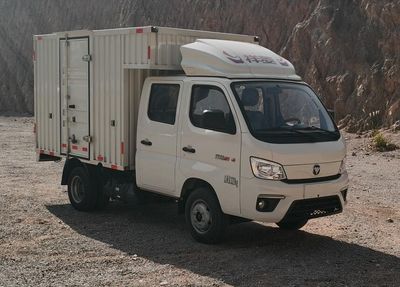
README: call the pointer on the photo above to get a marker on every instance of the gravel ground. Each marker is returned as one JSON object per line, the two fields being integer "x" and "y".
{"x": 45, "y": 242}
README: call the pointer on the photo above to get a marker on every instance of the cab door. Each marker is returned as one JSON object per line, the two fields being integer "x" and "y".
{"x": 211, "y": 142}
{"x": 157, "y": 137}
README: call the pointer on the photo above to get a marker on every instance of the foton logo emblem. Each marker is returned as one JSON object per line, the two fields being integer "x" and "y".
{"x": 316, "y": 169}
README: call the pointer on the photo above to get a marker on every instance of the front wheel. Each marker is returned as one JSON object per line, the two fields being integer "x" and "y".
{"x": 292, "y": 224}
{"x": 204, "y": 216}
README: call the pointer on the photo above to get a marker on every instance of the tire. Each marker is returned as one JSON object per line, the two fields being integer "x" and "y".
{"x": 204, "y": 216}
{"x": 81, "y": 191}
{"x": 293, "y": 224}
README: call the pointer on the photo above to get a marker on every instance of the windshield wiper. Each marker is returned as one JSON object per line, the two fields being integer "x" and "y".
{"x": 302, "y": 131}
{"x": 314, "y": 128}
{"x": 286, "y": 130}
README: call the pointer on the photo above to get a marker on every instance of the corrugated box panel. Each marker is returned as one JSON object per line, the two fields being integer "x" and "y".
{"x": 137, "y": 49}
{"x": 47, "y": 117}
{"x": 168, "y": 48}
{"x": 159, "y": 47}
{"x": 107, "y": 99}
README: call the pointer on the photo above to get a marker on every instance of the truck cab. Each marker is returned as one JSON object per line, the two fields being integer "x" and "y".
{"x": 259, "y": 149}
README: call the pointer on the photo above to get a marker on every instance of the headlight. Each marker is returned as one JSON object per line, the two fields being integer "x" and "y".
{"x": 267, "y": 170}
{"x": 342, "y": 168}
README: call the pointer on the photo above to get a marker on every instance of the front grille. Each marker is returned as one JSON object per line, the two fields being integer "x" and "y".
{"x": 311, "y": 180}
{"x": 313, "y": 208}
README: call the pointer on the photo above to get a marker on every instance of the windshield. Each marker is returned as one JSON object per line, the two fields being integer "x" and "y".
{"x": 279, "y": 112}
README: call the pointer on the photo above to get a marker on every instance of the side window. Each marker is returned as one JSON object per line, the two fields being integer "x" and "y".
{"x": 162, "y": 103}
{"x": 210, "y": 110}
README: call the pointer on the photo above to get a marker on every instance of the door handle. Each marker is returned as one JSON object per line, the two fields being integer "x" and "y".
{"x": 146, "y": 142}
{"x": 71, "y": 106}
{"x": 189, "y": 149}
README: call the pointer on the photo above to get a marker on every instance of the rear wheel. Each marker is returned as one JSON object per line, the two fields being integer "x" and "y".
{"x": 81, "y": 192}
{"x": 292, "y": 224}
{"x": 204, "y": 216}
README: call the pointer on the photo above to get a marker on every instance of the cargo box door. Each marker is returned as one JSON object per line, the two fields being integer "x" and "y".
{"x": 74, "y": 73}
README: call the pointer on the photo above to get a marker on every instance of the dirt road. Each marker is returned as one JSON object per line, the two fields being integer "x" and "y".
{"x": 45, "y": 242}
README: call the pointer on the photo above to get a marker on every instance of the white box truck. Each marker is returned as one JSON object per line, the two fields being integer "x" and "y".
{"x": 214, "y": 120}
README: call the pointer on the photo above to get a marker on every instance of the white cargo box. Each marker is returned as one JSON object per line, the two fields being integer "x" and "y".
{"x": 88, "y": 86}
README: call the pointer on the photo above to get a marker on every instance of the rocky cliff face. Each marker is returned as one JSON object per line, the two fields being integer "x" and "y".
{"x": 349, "y": 51}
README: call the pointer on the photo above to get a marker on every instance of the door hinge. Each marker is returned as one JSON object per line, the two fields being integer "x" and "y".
{"x": 87, "y": 139}
{"x": 87, "y": 58}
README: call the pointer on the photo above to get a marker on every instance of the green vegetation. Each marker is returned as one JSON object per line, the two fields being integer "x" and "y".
{"x": 374, "y": 133}
{"x": 381, "y": 143}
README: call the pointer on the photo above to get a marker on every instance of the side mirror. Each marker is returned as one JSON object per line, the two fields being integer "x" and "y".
{"x": 215, "y": 120}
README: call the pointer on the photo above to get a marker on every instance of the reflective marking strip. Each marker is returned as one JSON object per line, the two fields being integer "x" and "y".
{"x": 114, "y": 166}
{"x": 100, "y": 158}
{"x": 139, "y": 30}
{"x": 75, "y": 147}
{"x": 84, "y": 149}
{"x": 64, "y": 145}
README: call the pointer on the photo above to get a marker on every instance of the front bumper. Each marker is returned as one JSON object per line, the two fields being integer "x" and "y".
{"x": 297, "y": 200}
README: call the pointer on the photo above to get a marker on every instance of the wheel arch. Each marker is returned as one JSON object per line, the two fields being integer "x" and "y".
{"x": 189, "y": 185}
{"x": 69, "y": 165}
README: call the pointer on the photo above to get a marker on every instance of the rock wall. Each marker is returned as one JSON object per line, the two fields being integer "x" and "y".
{"x": 349, "y": 51}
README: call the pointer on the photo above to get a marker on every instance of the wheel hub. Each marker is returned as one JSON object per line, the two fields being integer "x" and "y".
{"x": 201, "y": 216}
{"x": 77, "y": 189}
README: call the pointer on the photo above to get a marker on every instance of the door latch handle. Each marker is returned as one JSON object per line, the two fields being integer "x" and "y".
{"x": 71, "y": 106}
{"x": 146, "y": 142}
{"x": 73, "y": 139}
{"x": 189, "y": 149}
